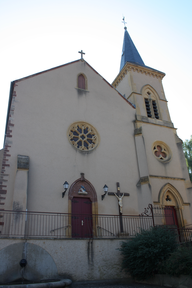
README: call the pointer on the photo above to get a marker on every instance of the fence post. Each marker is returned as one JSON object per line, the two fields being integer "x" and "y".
{"x": 152, "y": 214}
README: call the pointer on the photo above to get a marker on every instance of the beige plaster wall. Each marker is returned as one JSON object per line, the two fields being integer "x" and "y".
{"x": 134, "y": 81}
{"x": 45, "y": 106}
{"x": 125, "y": 86}
{"x": 141, "y": 79}
{"x": 152, "y": 133}
{"x": 132, "y": 85}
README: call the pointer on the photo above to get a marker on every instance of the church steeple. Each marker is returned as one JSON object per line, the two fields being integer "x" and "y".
{"x": 129, "y": 51}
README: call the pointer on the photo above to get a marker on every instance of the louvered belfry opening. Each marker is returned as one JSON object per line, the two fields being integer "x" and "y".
{"x": 156, "y": 114}
{"x": 148, "y": 108}
{"x": 151, "y": 108}
{"x": 81, "y": 81}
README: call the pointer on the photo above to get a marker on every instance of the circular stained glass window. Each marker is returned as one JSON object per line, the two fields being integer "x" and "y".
{"x": 83, "y": 136}
{"x": 161, "y": 151}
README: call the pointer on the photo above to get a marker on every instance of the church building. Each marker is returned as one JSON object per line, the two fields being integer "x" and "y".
{"x": 113, "y": 146}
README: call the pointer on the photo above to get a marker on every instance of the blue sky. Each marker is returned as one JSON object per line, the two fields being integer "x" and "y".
{"x": 38, "y": 35}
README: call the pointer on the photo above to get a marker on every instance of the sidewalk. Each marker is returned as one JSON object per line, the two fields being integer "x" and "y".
{"x": 109, "y": 284}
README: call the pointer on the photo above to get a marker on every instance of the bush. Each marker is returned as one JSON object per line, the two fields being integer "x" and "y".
{"x": 179, "y": 263}
{"x": 143, "y": 255}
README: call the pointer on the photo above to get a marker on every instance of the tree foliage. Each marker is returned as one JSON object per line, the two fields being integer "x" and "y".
{"x": 143, "y": 255}
{"x": 187, "y": 149}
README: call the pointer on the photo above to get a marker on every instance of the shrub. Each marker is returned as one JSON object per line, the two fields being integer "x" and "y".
{"x": 179, "y": 263}
{"x": 143, "y": 254}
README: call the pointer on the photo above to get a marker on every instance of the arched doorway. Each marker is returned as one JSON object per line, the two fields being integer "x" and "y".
{"x": 82, "y": 208}
{"x": 171, "y": 201}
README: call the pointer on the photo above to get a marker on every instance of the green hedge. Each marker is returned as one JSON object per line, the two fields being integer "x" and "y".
{"x": 145, "y": 253}
{"x": 179, "y": 263}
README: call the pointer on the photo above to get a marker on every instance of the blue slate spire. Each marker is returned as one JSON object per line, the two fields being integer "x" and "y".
{"x": 129, "y": 51}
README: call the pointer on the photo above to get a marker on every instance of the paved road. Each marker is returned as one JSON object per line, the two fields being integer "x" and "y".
{"x": 114, "y": 284}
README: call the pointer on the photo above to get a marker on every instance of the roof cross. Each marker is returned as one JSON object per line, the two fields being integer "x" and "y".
{"x": 81, "y": 52}
{"x": 124, "y": 22}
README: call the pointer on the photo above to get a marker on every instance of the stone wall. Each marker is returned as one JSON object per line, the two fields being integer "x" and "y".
{"x": 50, "y": 259}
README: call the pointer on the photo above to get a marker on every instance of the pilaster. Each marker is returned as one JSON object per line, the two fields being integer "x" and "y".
{"x": 20, "y": 196}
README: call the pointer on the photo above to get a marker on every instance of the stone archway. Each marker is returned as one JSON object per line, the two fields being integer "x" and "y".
{"x": 169, "y": 196}
{"x": 40, "y": 264}
{"x": 82, "y": 192}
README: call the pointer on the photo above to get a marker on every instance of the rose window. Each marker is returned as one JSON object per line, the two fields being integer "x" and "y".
{"x": 83, "y": 136}
{"x": 161, "y": 151}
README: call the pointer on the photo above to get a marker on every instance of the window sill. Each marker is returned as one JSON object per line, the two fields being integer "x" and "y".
{"x": 82, "y": 90}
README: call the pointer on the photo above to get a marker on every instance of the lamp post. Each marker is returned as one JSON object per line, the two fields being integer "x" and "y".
{"x": 65, "y": 186}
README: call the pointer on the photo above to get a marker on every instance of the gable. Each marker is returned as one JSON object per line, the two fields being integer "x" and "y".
{"x": 45, "y": 105}
{"x": 54, "y": 94}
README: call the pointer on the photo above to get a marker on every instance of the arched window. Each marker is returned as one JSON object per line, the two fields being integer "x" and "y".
{"x": 81, "y": 81}
{"x": 151, "y": 102}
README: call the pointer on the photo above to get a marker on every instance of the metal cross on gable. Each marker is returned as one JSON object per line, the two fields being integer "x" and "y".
{"x": 82, "y": 53}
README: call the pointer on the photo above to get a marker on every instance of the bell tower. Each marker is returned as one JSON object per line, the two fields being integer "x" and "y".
{"x": 157, "y": 145}
{"x": 142, "y": 86}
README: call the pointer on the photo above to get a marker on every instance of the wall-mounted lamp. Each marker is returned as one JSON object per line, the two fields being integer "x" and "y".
{"x": 105, "y": 189}
{"x": 65, "y": 186}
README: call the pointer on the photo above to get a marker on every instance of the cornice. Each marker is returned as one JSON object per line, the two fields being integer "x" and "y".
{"x": 139, "y": 69}
{"x": 167, "y": 177}
{"x": 154, "y": 121}
{"x": 140, "y": 94}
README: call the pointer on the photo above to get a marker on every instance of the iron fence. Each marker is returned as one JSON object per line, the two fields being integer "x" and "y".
{"x": 169, "y": 215}
{"x": 184, "y": 235}
{"x": 64, "y": 225}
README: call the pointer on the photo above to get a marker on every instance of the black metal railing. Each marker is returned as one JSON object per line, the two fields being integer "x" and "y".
{"x": 64, "y": 225}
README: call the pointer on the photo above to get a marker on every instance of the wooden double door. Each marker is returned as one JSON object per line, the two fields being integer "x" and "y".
{"x": 82, "y": 222}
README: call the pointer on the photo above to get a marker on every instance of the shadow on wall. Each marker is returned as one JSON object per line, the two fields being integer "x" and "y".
{"x": 40, "y": 265}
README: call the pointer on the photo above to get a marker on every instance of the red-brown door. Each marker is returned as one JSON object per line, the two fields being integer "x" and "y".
{"x": 81, "y": 218}
{"x": 171, "y": 216}
{"x": 171, "y": 219}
